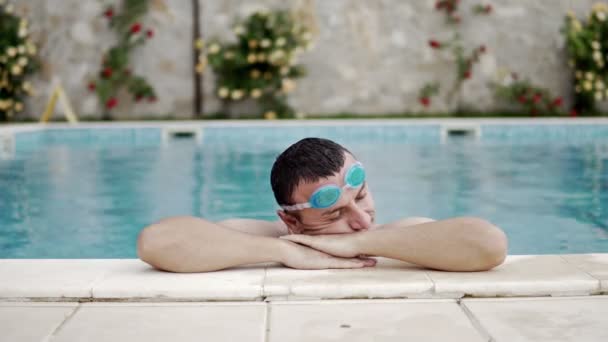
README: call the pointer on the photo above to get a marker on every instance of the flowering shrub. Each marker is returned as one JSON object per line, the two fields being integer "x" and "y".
{"x": 17, "y": 53}
{"x": 534, "y": 99}
{"x": 262, "y": 63}
{"x": 587, "y": 46}
{"x": 464, "y": 59}
{"x": 115, "y": 72}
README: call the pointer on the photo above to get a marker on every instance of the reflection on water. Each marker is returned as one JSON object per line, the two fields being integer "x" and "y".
{"x": 90, "y": 202}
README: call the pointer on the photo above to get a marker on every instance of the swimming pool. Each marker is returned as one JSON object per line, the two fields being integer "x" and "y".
{"x": 86, "y": 192}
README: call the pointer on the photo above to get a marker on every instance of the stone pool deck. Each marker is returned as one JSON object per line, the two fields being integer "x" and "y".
{"x": 529, "y": 298}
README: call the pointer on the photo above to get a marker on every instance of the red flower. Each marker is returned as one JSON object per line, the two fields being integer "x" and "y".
{"x": 439, "y": 5}
{"x": 573, "y": 112}
{"x": 127, "y": 71}
{"x": 111, "y": 103}
{"x": 557, "y": 102}
{"x": 91, "y": 86}
{"x": 434, "y": 44}
{"x": 537, "y": 97}
{"x": 425, "y": 101}
{"x": 149, "y": 33}
{"x": 522, "y": 99}
{"x": 107, "y": 72}
{"x": 109, "y": 13}
{"x": 455, "y": 18}
{"x": 467, "y": 74}
{"x": 482, "y": 49}
{"x": 138, "y": 98}
{"x": 135, "y": 28}
{"x": 488, "y": 9}
{"x": 152, "y": 99}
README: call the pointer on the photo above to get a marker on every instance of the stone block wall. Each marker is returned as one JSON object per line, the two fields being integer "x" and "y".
{"x": 369, "y": 56}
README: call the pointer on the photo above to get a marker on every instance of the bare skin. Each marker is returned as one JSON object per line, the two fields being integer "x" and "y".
{"x": 342, "y": 236}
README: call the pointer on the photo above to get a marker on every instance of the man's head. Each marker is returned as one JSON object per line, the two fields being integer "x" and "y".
{"x": 306, "y": 167}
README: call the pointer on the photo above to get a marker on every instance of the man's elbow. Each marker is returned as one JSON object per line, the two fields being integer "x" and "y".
{"x": 149, "y": 248}
{"x": 492, "y": 243}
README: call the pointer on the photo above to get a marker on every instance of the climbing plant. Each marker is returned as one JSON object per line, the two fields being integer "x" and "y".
{"x": 116, "y": 70}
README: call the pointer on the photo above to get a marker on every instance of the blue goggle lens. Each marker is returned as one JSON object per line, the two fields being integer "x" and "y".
{"x": 355, "y": 176}
{"x": 325, "y": 197}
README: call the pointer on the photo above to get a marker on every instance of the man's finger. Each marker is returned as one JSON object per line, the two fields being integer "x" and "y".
{"x": 346, "y": 263}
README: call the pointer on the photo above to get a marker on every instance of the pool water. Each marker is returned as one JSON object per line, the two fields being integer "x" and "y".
{"x": 89, "y": 200}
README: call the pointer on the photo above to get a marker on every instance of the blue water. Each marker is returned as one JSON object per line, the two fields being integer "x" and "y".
{"x": 89, "y": 197}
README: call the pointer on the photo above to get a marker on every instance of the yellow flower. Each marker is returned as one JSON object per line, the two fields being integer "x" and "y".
{"x": 252, "y": 43}
{"x": 280, "y": 41}
{"x": 284, "y": 70}
{"x": 255, "y": 93}
{"x": 255, "y": 73}
{"x": 300, "y": 115}
{"x": 599, "y": 84}
{"x": 200, "y": 67}
{"x": 18, "y": 106}
{"x": 16, "y": 70}
{"x": 599, "y": 96}
{"x": 31, "y": 48}
{"x": 589, "y": 75}
{"x": 587, "y": 86}
{"x": 261, "y": 57}
{"x": 11, "y": 51}
{"x": 228, "y": 54}
{"x": 576, "y": 25}
{"x": 595, "y": 45}
{"x": 22, "y": 33}
{"x": 8, "y": 9}
{"x": 577, "y": 89}
{"x": 601, "y": 16}
{"x": 306, "y": 36}
{"x": 265, "y": 43}
{"x": 223, "y": 92}
{"x": 270, "y": 115}
{"x": 27, "y": 87}
{"x": 21, "y": 49}
{"x": 251, "y": 58}
{"x": 237, "y": 94}
{"x": 578, "y": 74}
{"x": 214, "y": 48}
{"x": 239, "y": 30}
{"x": 22, "y": 61}
{"x": 199, "y": 44}
{"x": 287, "y": 85}
{"x": 570, "y": 14}
{"x": 597, "y": 56}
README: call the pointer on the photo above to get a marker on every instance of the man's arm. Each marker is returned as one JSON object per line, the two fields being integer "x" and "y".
{"x": 190, "y": 244}
{"x": 459, "y": 244}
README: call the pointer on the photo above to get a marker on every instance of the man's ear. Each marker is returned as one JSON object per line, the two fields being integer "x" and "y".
{"x": 290, "y": 221}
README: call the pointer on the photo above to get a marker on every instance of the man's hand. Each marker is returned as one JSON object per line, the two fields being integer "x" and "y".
{"x": 302, "y": 257}
{"x": 339, "y": 245}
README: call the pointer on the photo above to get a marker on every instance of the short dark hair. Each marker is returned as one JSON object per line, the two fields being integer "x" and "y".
{"x": 308, "y": 160}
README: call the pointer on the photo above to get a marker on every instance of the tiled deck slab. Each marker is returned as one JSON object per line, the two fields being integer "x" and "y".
{"x": 566, "y": 319}
{"x": 534, "y": 319}
{"x": 133, "y": 280}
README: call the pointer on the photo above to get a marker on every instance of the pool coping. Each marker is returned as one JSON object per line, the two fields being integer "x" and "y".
{"x": 131, "y": 280}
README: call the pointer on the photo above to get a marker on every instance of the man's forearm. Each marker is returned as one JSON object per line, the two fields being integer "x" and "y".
{"x": 189, "y": 244}
{"x": 460, "y": 244}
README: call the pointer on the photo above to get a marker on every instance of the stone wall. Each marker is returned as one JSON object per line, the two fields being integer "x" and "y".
{"x": 369, "y": 56}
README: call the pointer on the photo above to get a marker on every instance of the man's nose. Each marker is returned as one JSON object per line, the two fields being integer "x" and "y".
{"x": 359, "y": 219}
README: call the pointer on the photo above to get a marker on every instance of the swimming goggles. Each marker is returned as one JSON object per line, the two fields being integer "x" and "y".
{"x": 327, "y": 195}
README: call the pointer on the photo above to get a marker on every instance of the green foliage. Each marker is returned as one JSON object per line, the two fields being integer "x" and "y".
{"x": 262, "y": 63}
{"x": 116, "y": 71}
{"x": 17, "y": 61}
{"x": 587, "y": 46}
{"x": 531, "y": 98}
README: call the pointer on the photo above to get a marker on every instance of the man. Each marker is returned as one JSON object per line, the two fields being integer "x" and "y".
{"x": 326, "y": 221}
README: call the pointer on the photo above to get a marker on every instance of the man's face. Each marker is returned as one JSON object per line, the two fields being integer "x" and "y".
{"x": 353, "y": 212}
